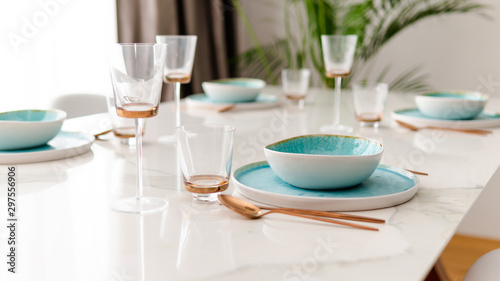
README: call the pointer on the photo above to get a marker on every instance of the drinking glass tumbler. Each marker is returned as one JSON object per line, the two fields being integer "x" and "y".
{"x": 205, "y": 152}
{"x": 369, "y": 103}
{"x": 295, "y": 84}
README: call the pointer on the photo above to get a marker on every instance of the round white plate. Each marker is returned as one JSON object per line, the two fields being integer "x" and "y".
{"x": 387, "y": 187}
{"x": 262, "y": 101}
{"x": 414, "y": 117}
{"x": 65, "y": 144}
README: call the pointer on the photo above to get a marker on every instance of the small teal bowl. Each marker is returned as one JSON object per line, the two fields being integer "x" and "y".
{"x": 233, "y": 90}
{"x": 451, "y": 105}
{"x": 324, "y": 161}
{"x": 23, "y": 129}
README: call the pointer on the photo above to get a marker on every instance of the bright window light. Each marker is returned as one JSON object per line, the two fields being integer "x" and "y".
{"x": 54, "y": 47}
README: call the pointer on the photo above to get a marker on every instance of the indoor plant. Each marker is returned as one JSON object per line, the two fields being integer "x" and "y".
{"x": 375, "y": 23}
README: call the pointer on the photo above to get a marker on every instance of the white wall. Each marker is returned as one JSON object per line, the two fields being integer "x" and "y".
{"x": 457, "y": 51}
{"x": 52, "y": 47}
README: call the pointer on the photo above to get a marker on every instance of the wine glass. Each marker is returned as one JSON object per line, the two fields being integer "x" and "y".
{"x": 338, "y": 55}
{"x": 136, "y": 75}
{"x": 178, "y": 68}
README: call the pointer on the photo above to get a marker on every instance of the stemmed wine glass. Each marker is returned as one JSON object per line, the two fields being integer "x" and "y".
{"x": 136, "y": 75}
{"x": 338, "y": 55}
{"x": 178, "y": 67}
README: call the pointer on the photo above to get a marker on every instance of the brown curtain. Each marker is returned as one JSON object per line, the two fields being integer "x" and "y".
{"x": 213, "y": 21}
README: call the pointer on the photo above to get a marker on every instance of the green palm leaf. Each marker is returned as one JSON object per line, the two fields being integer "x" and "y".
{"x": 249, "y": 62}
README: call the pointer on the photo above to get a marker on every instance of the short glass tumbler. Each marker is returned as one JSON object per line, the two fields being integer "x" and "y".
{"x": 369, "y": 103}
{"x": 205, "y": 153}
{"x": 295, "y": 83}
{"x": 123, "y": 128}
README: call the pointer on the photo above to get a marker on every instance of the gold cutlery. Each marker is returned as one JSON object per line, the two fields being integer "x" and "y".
{"x": 249, "y": 210}
{"x": 470, "y": 131}
{"x": 417, "y": 172}
{"x": 222, "y": 108}
{"x": 97, "y": 136}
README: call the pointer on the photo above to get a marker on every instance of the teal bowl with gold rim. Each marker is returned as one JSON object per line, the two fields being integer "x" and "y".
{"x": 324, "y": 161}
{"x": 451, "y": 105}
{"x": 29, "y": 128}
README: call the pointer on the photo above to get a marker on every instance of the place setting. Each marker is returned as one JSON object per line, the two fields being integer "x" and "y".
{"x": 325, "y": 173}
{"x": 307, "y": 176}
{"x": 461, "y": 111}
{"x": 35, "y": 135}
{"x": 231, "y": 94}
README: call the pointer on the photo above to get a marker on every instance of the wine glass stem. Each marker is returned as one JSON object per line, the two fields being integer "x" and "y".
{"x": 336, "y": 101}
{"x": 138, "y": 146}
{"x": 177, "y": 104}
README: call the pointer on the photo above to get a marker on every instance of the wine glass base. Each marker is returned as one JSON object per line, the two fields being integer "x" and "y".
{"x": 336, "y": 128}
{"x": 142, "y": 205}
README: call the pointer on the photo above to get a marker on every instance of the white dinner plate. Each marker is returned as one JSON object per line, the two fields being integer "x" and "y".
{"x": 262, "y": 101}
{"x": 414, "y": 117}
{"x": 387, "y": 187}
{"x": 65, "y": 144}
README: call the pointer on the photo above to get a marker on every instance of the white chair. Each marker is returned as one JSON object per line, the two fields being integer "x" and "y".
{"x": 486, "y": 268}
{"x": 77, "y": 105}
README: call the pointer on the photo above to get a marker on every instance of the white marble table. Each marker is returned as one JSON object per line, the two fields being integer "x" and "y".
{"x": 66, "y": 230}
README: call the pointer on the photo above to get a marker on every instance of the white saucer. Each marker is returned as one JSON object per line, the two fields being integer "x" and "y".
{"x": 65, "y": 144}
{"x": 262, "y": 101}
{"x": 387, "y": 187}
{"x": 414, "y": 117}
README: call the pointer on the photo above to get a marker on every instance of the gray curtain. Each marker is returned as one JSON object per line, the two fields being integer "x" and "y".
{"x": 213, "y": 21}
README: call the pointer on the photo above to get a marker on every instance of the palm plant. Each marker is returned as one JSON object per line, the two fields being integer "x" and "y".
{"x": 374, "y": 21}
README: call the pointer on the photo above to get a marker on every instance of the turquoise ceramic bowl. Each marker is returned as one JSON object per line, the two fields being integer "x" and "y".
{"x": 324, "y": 161}
{"x": 233, "y": 90}
{"x": 23, "y": 129}
{"x": 451, "y": 105}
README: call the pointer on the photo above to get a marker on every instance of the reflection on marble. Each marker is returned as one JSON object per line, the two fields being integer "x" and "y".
{"x": 205, "y": 245}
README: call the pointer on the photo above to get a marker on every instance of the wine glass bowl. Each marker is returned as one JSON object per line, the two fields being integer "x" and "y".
{"x": 338, "y": 56}
{"x": 180, "y": 57}
{"x": 178, "y": 67}
{"x": 136, "y": 75}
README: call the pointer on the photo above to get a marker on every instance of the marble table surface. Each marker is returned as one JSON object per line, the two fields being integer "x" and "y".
{"x": 67, "y": 231}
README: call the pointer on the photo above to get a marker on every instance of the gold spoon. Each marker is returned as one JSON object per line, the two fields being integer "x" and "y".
{"x": 225, "y": 108}
{"x": 470, "y": 131}
{"x": 249, "y": 210}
